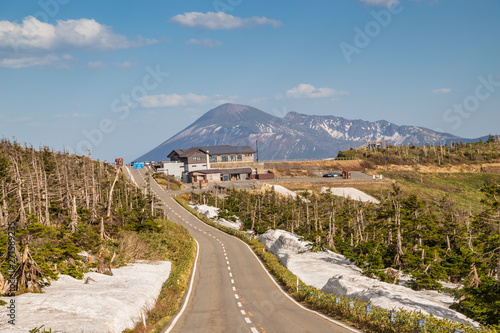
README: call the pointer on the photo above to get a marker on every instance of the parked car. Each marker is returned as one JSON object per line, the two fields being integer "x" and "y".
{"x": 331, "y": 174}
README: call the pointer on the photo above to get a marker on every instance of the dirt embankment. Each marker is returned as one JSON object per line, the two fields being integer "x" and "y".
{"x": 463, "y": 168}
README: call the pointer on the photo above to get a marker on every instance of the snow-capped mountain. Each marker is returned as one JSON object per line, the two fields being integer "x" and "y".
{"x": 295, "y": 136}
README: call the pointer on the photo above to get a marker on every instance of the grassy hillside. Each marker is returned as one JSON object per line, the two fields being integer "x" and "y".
{"x": 454, "y": 154}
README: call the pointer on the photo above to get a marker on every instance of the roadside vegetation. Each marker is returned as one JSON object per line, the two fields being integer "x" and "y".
{"x": 70, "y": 214}
{"x": 167, "y": 182}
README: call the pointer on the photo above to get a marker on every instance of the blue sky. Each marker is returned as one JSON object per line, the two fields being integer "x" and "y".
{"x": 120, "y": 77}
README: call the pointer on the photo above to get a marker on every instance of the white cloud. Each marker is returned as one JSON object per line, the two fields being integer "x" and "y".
{"x": 220, "y": 21}
{"x": 22, "y": 62}
{"x": 79, "y": 34}
{"x": 381, "y": 3}
{"x": 126, "y": 64}
{"x": 206, "y": 42}
{"x": 441, "y": 91}
{"x": 158, "y": 101}
{"x": 95, "y": 65}
{"x": 308, "y": 91}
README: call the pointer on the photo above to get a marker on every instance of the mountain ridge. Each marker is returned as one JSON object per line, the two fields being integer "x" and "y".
{"x": 294, "y": 136}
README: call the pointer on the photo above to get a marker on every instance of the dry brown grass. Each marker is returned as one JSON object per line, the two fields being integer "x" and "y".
{"x": 131, "y": 248}
{"x": 461, "y": 168}
{"x": 312, "y": 168}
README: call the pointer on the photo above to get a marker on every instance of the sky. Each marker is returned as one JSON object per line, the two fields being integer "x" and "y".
{"x": 121, "y": 77}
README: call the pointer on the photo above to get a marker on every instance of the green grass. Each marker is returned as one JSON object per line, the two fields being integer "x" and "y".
{"x": 462, "y": 188}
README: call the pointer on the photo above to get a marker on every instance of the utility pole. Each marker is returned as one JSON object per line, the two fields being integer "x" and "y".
{"x": 257, "y": 148}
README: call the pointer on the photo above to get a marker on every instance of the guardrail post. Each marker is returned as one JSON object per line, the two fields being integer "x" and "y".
{"x": 368, "y": 309}
{"x": 393, "y": 316}
{"x": 337, "y": 300}
{"x": 351, "y": 304}
{"x": 421, "y": 325}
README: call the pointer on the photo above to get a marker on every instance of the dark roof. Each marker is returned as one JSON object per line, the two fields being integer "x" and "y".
{"x": 214, "y": 150}
{"x": 227, "y": 149}
{"x": 225, "y": 171}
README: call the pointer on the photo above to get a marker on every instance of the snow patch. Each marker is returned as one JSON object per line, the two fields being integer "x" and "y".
{"x": 105, "y": 304}
{"x": 282, "y": 190}
{"x": 333, "y": 273}
{"x": 213, "y": 213}
{"x": 350, "y": 193}
{"x": 209, "y": 211}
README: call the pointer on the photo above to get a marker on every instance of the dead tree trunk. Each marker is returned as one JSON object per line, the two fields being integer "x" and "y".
{"x": 73, "y": 225}
{"x": 110, "y": 197}
{"x": 399, "y": 246}
{"x": 18, "y": 180}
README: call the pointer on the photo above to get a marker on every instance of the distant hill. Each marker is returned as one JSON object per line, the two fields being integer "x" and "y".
{"x": 295, "y": 136}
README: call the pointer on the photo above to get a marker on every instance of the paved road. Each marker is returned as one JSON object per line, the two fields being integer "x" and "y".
{"x": 231, "y": 290}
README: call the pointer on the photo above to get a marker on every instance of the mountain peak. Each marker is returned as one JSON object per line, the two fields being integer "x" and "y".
{"x": 231, "y": 114}
{"x": 295, "y": 136}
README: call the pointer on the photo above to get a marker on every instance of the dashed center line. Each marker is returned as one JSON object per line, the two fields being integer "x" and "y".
{"x": 240, "y": 302}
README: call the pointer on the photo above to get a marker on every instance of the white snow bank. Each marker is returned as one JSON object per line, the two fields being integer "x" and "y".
{"x": 208, "y": 211}
{"x": 282, "y": 190}
{"x": 213, "y": 213}
{"x": 351, "y": 193}
{"x": 333, "y": 273}
{"x": 107, "y": 304}
{"x": 234, "y": 225}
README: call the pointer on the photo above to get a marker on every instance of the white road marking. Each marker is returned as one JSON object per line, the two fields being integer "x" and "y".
{"x": 228, "y": 268}
{"x": 240, "y": 305}
{"x": 230, "y": 274}
{"x": 236, "y": 296}
{"x": 227, "y": 262}
{"x": 243, "y": 312}
{"x": 234, "y": 288}
{"x": 254, "y": 330}
{"x": 189, "y": 291}
{"x": 232, "y": 281}
{"x": 248, "y": 320}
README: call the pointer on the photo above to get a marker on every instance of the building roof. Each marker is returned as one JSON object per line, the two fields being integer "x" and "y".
{"x": 214, "y": 150}
{"x": 227, "y": 149}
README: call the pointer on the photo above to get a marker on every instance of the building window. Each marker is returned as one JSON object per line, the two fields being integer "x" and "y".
{"x": 239, "y": 157}
{"x": 223, "y": 158}
{"x": 232, "y": 157}
{"x": 213, "y": 158}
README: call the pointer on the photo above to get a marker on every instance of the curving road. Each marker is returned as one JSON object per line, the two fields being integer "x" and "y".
{"x": 231, "y": 291}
